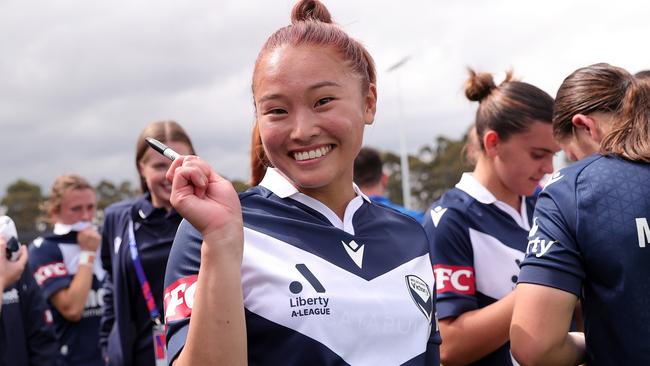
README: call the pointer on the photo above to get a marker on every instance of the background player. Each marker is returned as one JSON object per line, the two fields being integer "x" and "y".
{"x": 27, "y": 334}
{"x": 478, "y": 229}
{"x": 371, "y": 179}
{"x": 591, "y": 239}
{"x": 326, "y": 277}
{"x": 137, "y": 236}
{"x": 64, "y": 264}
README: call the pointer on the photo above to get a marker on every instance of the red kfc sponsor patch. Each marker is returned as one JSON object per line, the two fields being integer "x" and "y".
{"x": 50, "y": 270}
{"x": 179, "y": 298}
{"x": 459, "y": 279}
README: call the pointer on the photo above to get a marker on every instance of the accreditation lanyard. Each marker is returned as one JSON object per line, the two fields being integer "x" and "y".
{"x": 160, "y": 350}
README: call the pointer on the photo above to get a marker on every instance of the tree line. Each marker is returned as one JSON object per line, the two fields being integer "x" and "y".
{"x": 435, "y": 168}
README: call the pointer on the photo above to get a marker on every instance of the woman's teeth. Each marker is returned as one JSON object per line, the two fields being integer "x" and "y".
{"x": 312, "y": 154}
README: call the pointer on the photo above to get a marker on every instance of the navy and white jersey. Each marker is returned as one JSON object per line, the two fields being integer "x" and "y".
{"x": 318, "y": 289}
{"x": 126, "y": 334}
{"x": 591, "y": 237}
{"x": 53, "y": 261}
{"x": 477, "y": 244}
{"x": 27, "y": 336}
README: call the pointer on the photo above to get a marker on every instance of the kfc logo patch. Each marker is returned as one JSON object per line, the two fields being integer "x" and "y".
{"x": 179, "y": 298}
{"x": 459, "y": 279}
{"x": 48, "y": 271}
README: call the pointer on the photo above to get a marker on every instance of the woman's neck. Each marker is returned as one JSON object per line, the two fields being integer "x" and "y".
{"x": 160, "y": 203}
{"x": 485, "y": 174}
{"x": 335, "y": 198}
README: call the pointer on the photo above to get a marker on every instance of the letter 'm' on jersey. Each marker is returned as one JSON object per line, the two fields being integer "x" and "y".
{"x": 643, "y": 231}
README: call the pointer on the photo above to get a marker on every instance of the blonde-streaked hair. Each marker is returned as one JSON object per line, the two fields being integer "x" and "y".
{"x": 61, "y": 185}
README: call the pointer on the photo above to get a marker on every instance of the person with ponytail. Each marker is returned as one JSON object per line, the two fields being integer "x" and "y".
{"x": 478, "y": 229}
{"x": 302, "y": 269}
{"x": 136, "y": 239}
{"x": 591, "y": 238}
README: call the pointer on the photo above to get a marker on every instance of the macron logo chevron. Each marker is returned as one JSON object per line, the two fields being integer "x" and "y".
{"x": 436, "y": 215}
{"x": 355, "y": 251}
{"x": 554, "y": 178}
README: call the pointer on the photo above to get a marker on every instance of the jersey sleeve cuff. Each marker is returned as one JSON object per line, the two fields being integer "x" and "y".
{"x": 55, "y": 285}
{"x": 176, "y": 342}
{"x": 447, "y": 308}
{"x": 544, "y": 276}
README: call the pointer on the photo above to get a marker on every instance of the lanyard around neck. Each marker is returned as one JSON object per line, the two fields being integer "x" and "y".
{"x": 142, "y": 278}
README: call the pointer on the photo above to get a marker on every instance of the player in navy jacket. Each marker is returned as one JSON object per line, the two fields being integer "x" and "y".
{"x": 27, "y": 336}
{"x": 478, "y": 229}
{"x": 313, "y": 272}
{"x": 591, "y": 238}
{"x": 128, "y": 326}
{"x": 63, "y": 264}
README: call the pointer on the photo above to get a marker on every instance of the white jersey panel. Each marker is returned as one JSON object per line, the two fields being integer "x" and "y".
{"x": 496, "y": 265}
{"x": 274, "y": 288}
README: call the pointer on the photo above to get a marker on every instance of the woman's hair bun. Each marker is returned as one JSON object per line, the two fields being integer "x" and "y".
{"x": 479, "y": 85}
{"x": 313, "y": 10}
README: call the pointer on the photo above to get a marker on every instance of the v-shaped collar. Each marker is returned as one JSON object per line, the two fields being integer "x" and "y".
{"x": 283, "y": 188}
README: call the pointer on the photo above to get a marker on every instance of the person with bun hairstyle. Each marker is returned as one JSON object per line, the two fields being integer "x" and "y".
{"x": 478, "y": 229}
{"x": 591, "y": 238}
{"x": 136, "y": 239}
{"x": 302, "y": 269}
{"x": 643, "y": 75}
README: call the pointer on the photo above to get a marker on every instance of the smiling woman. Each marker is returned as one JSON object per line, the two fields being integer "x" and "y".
{"x": 136, "y": 241}
{"x": 303, "y": 268}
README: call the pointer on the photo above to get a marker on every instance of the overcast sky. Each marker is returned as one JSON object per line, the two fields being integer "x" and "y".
{"x": 80, "y": 79}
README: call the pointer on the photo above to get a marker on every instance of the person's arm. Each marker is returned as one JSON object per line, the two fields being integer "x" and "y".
{"x": 42, "y": 343}
{"x": 539, "y": 333}
{"x": 10, "y": 271}
{"x": 217, "y": 331}
{"x": 468, "y": 332}
{"x": 71, "y": 301}
{"x": 462, "y": 340}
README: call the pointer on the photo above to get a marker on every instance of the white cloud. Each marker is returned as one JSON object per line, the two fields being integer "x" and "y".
{"x": 79, "y": 79}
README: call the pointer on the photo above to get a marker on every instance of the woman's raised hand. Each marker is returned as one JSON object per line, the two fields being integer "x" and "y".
{"x": 205, "y": 199}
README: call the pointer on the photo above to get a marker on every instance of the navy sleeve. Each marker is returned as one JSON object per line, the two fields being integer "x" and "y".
{"x": 106, "y": 252}
{"x": 48, "y": 268}
{"x": 42, "y": 343}
{"x": 180, "y": 284}
{"x": 552, "y": 256}
{"x": 453, "y": 262}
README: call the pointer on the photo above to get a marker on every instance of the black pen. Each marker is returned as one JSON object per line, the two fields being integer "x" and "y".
{"x": 162, "y": 148}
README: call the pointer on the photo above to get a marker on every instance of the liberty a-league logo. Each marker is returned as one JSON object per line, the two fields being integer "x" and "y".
{"x": 420, "y": 294}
